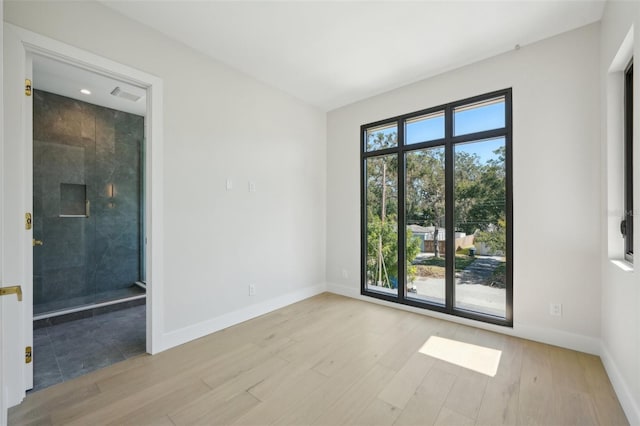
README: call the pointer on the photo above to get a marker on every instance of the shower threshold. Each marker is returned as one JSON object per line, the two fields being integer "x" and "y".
{"x": 126, "y": 296}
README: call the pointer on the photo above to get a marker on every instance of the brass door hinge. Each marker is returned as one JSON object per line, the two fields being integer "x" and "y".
{"x": 27, "y": 87}
{"x": 27, "y": 221}
{"x": 27, "y": 355}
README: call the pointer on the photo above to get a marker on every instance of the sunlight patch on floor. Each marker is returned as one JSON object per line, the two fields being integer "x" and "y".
{"x": 474, "y": 357}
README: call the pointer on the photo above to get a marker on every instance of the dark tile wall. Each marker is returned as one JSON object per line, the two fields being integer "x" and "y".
{"x": 79, "y": 143}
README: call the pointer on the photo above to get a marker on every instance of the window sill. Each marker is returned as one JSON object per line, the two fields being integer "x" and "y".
{"x": 622, "y": 264}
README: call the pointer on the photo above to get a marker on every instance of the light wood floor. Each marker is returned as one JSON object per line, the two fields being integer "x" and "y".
{"x": 331, "y": 360}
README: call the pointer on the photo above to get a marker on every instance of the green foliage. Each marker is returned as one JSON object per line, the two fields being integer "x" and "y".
{"x": 381, "y": 139}
{"x": 382, "y": 172}
{"x": 388, "y": 231}
{"x": 425, "y": 192}
{"x": 412, "y": 248}
{"x": 494, "y": 238}
{"x": 499, "y": 276}
{"x": 480, "y": 191}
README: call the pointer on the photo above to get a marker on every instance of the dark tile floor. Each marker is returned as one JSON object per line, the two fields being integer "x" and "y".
{"x": 64, "y": 351}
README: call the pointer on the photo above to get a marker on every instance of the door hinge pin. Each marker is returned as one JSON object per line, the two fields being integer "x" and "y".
{"x": 27, "y": 355}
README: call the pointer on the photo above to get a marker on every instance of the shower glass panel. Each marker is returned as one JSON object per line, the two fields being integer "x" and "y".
{"x": 87, "y": 203}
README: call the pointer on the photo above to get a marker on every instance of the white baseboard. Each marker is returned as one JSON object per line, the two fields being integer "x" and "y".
{"x": 550, "y": 336}
{"x": 187, "y": 334}
{"x": 629, "y": 404}
{"x": 345, "y": 291}
{"x": 563, "y": 339}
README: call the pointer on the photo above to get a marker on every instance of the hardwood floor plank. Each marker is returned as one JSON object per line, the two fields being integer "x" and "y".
{"x": 510, "y": 366}
{"x": 566, "y": 371}
{"x": 38, "y": 411}
{"x": 449, "y": 417}
{"x": 219, "y": 412}
{"x": 346, "y": 373}
{"x": 607, "y": 407}
{"x": 231, "y": 367}
{"x": 356, "y": 398}
{"x": 408, "y": 343}
{"x": 465, "y": 396}
{"x": 425, "y": 405}
{"x": 282, "y": 396}
{"x": 404, "y": 384}
{"x": 536, "y": 384}
{"x": 200, "y": 405}
{"x": 156, "y": 410}
{"x": 499, "y": 403}
{"x": 377, "y": 413}
{"x": 117, "y": 408}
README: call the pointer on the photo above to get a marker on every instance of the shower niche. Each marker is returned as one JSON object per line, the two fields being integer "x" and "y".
{"x": 87, "y": 205}
{"x": 73, "y": 200}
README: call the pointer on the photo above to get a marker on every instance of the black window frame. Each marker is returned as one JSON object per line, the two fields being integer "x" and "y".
{"x": 627, "y": 224}
{"x": 448, "y": 142}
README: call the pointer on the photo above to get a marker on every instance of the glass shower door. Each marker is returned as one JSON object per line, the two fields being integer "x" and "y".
{"x": 61, "y": 217}
{"x": 87, "y": 204}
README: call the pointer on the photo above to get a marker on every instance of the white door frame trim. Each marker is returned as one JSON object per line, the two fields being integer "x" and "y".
{"x": 33, "y": 43}
{"x": 4, "y": 391}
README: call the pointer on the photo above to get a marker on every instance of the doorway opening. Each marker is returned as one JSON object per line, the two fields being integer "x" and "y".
{"x": 89, "y": 274}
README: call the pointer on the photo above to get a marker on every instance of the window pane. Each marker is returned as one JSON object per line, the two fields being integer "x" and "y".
{"x": 382, "y": 223}
{"x": 485, "y": 115}
{"x": 480, "y": 226}
{"x": 425, "y": 219}
{"x": 381, "y": 137}
{"x": 425, "y": 128}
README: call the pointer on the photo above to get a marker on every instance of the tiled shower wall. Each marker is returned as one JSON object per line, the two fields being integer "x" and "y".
{"x": 80, "y": 149}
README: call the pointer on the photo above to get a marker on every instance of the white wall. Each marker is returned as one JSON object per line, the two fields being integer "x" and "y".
{"x": 620, "y": 289}
{"x": 218, "y": 124}
{"x": 556, "y": 180}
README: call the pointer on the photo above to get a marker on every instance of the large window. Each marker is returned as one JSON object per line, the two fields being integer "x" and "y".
{"x": 436, "y": 208}
{"x": 627, "y": 221}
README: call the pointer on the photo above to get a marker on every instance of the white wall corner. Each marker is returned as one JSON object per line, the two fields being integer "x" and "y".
{"x": 192, "y": 332}
{"x": 630, "y": 406}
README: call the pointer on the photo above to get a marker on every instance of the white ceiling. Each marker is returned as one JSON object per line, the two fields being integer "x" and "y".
{"x": 63, "y": 79}
{"x": 332, "y": 53}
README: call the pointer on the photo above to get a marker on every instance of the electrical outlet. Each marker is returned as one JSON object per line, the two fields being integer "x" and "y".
{"x": 555, "y": 309}
{"x": 229, "y": 184}
{"x": 345, "y": 273}
{"x": 252, "y": 289}
{"x": 252, "y": 186}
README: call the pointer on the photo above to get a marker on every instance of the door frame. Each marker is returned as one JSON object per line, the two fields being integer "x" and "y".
{"x": 18, "y": 137}
{"x": 4, "y": 392}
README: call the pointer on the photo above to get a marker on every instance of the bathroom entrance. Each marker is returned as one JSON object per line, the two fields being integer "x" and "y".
{"x": 89, "y": 286}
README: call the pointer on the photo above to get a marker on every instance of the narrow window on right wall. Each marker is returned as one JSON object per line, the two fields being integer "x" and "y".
{"x": 626, "y": 226}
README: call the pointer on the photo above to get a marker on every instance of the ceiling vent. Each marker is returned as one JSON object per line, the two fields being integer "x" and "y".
{"x": 124, "y": 95}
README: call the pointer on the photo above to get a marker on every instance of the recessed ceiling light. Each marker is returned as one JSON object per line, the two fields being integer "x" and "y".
{"x": 85, "y": 91}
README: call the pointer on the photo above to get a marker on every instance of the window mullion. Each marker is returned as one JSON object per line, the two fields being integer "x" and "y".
{"x": 449, "y": 216}
{"x": 402, "y": 226}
